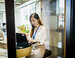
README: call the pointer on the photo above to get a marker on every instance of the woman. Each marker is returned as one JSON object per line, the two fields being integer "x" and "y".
{"x": 38, "y": 35}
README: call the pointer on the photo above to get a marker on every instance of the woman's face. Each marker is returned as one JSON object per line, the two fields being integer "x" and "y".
{"x": 34, "y": 21}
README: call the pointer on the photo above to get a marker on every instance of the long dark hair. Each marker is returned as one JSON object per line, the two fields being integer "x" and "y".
{"x": 36, "y": 16}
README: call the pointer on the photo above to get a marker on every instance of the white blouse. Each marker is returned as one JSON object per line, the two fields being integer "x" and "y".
{"x": 41, "y": 36}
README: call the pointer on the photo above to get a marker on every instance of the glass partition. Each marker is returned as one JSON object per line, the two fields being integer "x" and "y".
{"x": 51, "y": 13}
{"x": 57, "y": 28}
{"x": 3, "y": 31}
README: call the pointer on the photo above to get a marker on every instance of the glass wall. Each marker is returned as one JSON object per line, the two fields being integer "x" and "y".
{"x": 3, "y": 31}
{"x": 51, "y": 13}
{"x": 53, "y": 17}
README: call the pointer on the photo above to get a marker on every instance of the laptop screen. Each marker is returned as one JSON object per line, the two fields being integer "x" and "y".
{"x": 20, "y": 37}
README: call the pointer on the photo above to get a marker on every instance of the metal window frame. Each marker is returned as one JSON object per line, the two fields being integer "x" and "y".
{"x": 10, "y": 24}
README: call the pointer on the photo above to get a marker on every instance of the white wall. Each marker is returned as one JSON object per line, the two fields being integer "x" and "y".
{"x": 17, "y": 18}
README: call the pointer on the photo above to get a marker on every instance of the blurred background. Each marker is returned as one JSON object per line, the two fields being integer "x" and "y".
{"x": 3, "y": 31}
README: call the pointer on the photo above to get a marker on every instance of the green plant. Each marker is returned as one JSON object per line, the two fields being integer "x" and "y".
{"x": 23, "y": 28}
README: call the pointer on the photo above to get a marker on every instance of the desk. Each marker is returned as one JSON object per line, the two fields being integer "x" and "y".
{"x": 23, "y": 52}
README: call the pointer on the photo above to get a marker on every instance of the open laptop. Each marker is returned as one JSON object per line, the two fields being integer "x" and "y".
{"x": 21, "y": 41}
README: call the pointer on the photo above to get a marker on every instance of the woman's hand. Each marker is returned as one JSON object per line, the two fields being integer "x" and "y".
{"x": 36, "y": 41}
{"x": 30, "y": 41}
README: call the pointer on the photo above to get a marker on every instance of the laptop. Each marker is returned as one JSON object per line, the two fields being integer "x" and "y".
{"x": 20, "y": 37}
{"x": 21, "y": 41}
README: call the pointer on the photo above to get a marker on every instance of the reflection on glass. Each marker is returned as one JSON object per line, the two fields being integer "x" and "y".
{"x": 53, "y": 17}
{"x": 3, "y": 32}
{"x": 57, "y": 28}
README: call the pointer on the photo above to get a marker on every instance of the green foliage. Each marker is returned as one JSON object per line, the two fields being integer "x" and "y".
{"x": 23, "y": 28}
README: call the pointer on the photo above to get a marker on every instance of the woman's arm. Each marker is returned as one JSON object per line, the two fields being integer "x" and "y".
{"x": 36, "y": 41}
{"x": 32, "y": 41}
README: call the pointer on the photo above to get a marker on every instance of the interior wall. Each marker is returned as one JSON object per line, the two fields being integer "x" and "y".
{"x": 17, "y": 18}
